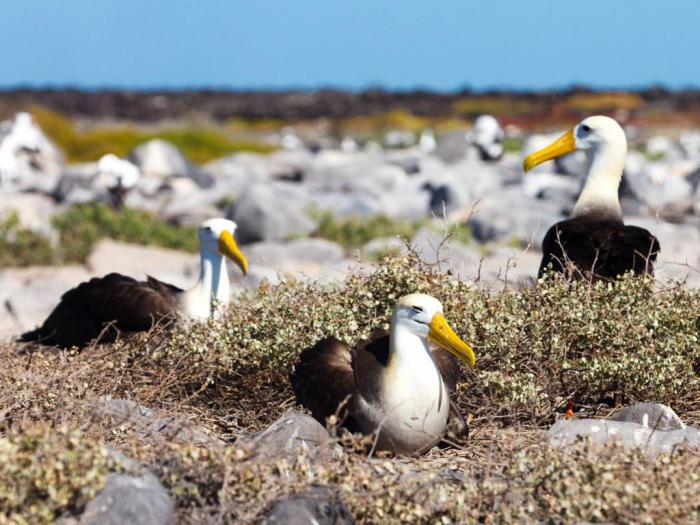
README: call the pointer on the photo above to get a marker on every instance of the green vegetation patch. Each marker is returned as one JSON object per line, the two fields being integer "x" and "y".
{"x": 80, "y": 227}
{"x": 198, "y": 144}
{"x": 598, "y": 345}
{"x": 355, "y": 232}
{"x": 531, "y": 485}
{"x": 20, "y": 246}
{"x": 48, "y": 473}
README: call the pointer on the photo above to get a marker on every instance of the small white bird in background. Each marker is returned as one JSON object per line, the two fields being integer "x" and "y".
{"x": 21, "y": 150}
{"x": 119, "y": 176}
{"x": 487, "y": 136}
{"x": 427, "y": 142}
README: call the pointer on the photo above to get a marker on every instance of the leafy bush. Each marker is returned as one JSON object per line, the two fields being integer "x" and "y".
{"x": 536, "y": 348}
{"x": 199, "y": 145}
{"x": 45, "y": 474}
{"x": 21, "y": 246}
{"x": 82, "y": 225}
{"x": 355, "y": 232}
{"x": 534, "y": 484}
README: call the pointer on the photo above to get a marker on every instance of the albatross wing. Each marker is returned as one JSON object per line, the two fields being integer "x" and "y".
{"x": 598, "y": 248}
{"x": 323, "y": 378}
{"x": 85, "y": 312}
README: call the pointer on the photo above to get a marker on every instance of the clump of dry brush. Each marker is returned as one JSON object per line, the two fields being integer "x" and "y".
{"x": 600, "y": 345}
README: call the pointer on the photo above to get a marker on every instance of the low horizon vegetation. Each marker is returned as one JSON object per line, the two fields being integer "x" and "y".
{"x": 198, "y": 144}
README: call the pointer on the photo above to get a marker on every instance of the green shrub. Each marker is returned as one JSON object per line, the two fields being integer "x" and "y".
{"x": 536, "y": 348}
{"x": 355, "y": 232}
{"x": 530, "y": 485}
{"x": 21, "y": 246}
{"x": 47, "y": 473}
{"x": 82, "y": 225}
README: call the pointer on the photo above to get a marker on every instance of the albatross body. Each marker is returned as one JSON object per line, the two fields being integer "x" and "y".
{"x": 594, "y": 242}
{"x": 102, "y": 307}
{"x": 394, "y": 384}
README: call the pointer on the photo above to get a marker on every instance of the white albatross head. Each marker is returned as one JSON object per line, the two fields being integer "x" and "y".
{"x": 216, "y": 238}
{"x": 422, "y": 315}
{"x": 605, "y": 143}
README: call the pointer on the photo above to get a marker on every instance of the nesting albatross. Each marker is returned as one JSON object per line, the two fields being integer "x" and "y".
{"x": 595, "y": 242}
{"x": 104, "y": 306}
{"x": 393, "y": 384}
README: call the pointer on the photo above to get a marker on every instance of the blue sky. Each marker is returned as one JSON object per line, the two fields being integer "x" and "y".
{"x": 352, "y": 43}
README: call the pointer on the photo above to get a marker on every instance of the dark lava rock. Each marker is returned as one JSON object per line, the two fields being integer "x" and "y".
{"x": 321, "y": 505}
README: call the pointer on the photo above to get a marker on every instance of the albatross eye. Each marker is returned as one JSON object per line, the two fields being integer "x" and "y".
{"x": 585, "y": 128}
{"x": 417, "y": 308}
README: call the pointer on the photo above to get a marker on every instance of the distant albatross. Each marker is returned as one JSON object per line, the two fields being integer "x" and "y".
{"x": 394, "y": 384}
{"x": 104, "y": 306}
{"x": 594, "y": 242}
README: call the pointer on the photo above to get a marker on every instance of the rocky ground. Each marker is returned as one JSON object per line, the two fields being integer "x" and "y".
{"x": 198, "y": 424}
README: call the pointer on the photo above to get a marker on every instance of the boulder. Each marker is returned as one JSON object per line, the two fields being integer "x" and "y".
{"x": 27, "y": 295}
{"x": 33, "y": 210}
{"x": 628, "y": 434}
{"x": 679, "y": 258}
{"x": 292, "y": 432}
{"x": 318, "y": 260}
{"x": 271, "y": 212}
{"x": 161, "y": 160}
{"x": 452, "y": 147}
{"x": 661, "y": 185}
{"x": 134, "y": 500}
{"x": 650, "y": 415}
{"x": 512, "y": 215}
{"x": 320, "y": 506}
{"x": 150, "y": 424}
{"x": 173, "y": 266}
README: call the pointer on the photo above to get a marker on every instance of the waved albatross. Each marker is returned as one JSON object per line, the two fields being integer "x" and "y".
{"x": 393, "y": 384}
{"x": 594, "y": 242}
{"x": 104, "y": 306}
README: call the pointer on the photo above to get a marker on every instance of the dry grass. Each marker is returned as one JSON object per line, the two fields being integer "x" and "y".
{"x": 599, "y": 345}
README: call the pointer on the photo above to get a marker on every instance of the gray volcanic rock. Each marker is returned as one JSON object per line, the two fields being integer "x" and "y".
{"x": 27, "y": 295}
{"x": 271, "y": 212}
{"x": 320, "y": 506}
{"x": 628, "y": 434}
{"x": 292, "y": 432}
{"x": 128, "y": 499}
{"x": 650, "y": 415}
{"x": 160, "y": 159}
{"x": 452, "y": 147}
{"x": 510, "y": 214}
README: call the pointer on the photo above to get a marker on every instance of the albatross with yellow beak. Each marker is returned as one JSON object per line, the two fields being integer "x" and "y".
{"x": 595, "y": 243}
{"x": 104, "y": 306}
{"x": 395, "y": 384}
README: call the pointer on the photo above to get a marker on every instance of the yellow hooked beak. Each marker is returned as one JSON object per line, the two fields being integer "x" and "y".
{"x": 563, "y": 145}
{"x": 442, "y": 335}
{"x": 229, "y": 248}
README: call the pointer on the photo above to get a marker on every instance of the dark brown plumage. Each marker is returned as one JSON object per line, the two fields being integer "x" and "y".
{"x": 598, "y": 248}
{"x": 330, "y": 375}
{"x": 103, "y": 307}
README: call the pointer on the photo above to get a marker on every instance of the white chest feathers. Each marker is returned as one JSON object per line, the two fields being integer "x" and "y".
{"x": 415, "y": 401}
